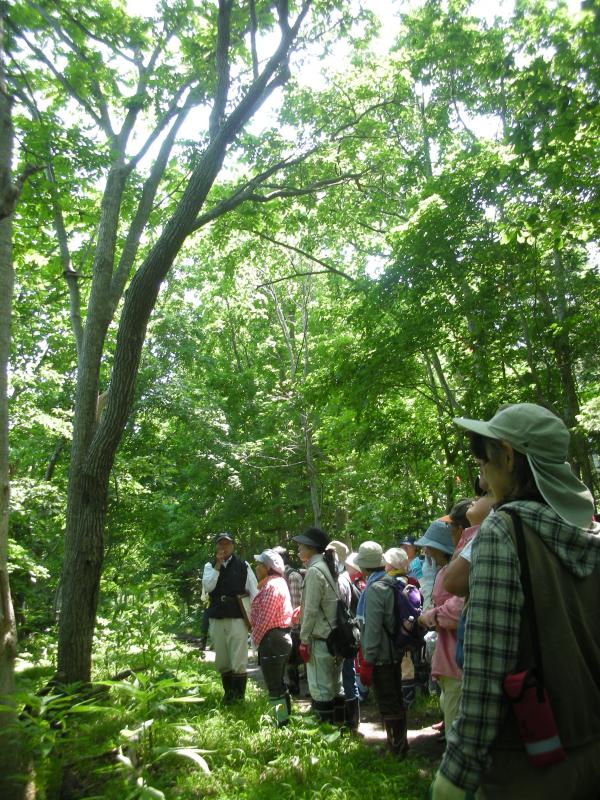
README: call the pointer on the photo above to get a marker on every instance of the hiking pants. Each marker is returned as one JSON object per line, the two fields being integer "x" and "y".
{"x": 230, "y": 642}
{"x": 387, "y": 682}
{"x": 324, "y": 672}
{"x": 273, "y": 652}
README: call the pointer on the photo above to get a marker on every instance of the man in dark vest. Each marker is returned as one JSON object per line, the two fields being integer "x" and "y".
{"x": 225, "y": 579}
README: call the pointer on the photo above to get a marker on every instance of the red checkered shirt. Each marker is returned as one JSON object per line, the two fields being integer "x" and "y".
{"x": 271, "y": 608}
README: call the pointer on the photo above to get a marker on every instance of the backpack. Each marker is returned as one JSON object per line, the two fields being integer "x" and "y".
{"x": 344, "y": 639}
{"x": 408, "y": 607}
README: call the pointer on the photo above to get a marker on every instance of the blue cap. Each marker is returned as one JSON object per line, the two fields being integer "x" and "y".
{"x": 410, "y": 540}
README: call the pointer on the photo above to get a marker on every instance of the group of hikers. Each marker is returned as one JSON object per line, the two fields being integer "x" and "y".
{"x": 508, "y": 590}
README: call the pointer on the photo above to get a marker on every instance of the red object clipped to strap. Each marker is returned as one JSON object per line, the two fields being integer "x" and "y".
{"x": 535, "y": 719}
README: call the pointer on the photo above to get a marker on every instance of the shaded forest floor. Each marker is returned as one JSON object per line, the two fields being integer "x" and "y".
{"x": 159, "y": 731}
{"x": 424, "y": 740}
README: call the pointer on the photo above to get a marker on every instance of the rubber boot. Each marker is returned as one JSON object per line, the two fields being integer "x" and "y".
{"x": 323, "y": 710}
{"x": 395, "y": 729}
{"x": 280, "y": 710}
{"x": 228, "y": 689}
{"x": 352, "y": 713}
{"x": 339, "y": 710}
{"x": 409, "y": 690}
{"x": 239, "y": 686}
{"x": 288, "y": 703}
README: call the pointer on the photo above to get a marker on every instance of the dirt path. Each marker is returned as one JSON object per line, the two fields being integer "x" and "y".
{"x": 424, "y": 740}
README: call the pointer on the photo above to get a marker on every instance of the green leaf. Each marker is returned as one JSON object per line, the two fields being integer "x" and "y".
{"x": 187, "y": 752}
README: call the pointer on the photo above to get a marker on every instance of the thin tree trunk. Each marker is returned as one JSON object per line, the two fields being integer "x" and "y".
{"x": 305, "y": 425}
{"x": 12, "y": 760}
{"x": 562, "y": 348}
{"x": 530, "y": 356}
{"x": 48, "y": 474}
{"x": 313, "y": 477}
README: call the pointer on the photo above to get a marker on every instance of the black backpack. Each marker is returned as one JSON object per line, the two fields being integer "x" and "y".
{"x": 344, "y": 639}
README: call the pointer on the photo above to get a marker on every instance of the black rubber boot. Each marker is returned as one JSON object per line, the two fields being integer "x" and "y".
{"x": 409, "y": 690}
{"x": 339, "y": 710}
{"x": 288, "y": 702}
{"x": 293, "y": 679}
{"x": 395, "y": 729}
{"x": 228, "y": 689}
{"x": 352, "y": 712}
{"x": 239, "y": 686}
{"x": 323, "y": 710}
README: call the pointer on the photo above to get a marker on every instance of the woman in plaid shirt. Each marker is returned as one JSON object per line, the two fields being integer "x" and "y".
{"x": 271, "y": 618}
{"x": 523, "y": 454}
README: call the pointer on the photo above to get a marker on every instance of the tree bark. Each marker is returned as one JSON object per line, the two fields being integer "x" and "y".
{"x": 12, "y": 760}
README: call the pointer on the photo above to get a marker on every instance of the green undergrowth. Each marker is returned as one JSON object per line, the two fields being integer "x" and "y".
{"x": 165, "y": 734}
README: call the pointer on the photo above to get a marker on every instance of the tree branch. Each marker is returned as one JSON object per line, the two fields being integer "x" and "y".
{"x": 136, "y": 102}
{"x": 69, "y": 88}
{"x": 247, "y": 192}
{"x": 462, "y": 122}
{"x": 144, "y": 209}
{"x": 303, "y": 253}
{"x": 160, "y": 125}
{"x": 253, "y": 28}
{"x": 81, "y": 53}
{"x": 70, "y": 275}
{"x": 262, "y": 87}
{"x": 292, "y": 276}
{"x": 91, "y": 35}
{"x": 222, "y": 59}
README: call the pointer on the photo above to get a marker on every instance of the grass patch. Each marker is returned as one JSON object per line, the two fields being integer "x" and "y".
{"x": 165, "y": 734}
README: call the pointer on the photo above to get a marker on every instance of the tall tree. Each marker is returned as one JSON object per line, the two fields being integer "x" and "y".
{"x": 213, "y": 48}
{"x": 11, "y": 744}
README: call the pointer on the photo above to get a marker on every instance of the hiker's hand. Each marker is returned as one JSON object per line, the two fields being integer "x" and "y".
{"x": 296, "y": 615}
{"x": 427, "y": 619}
{"x": 365, "y": 673}
{"x": 443, "y": 789}
{"x": 304, "y": 651}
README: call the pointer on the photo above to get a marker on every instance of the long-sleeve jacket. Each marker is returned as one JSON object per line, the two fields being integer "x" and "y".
{"x": 271, "y": 608}
{"x": 319, "y": 601}
{"x": 493, "y": 631}
{"x": 444, "y": 615}
{"x": 378, "y": 624}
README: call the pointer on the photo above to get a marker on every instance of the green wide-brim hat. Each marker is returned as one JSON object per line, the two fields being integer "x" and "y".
{"x": 544, "y": 438}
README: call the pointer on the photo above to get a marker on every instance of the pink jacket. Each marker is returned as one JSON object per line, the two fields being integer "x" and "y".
{"x": 444, "y": 616}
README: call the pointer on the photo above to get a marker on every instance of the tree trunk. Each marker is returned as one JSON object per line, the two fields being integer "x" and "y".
{"x": 95, "y": 443}
{"x": 294, "y": 358}
{"x": 12, "y": 759}
{"x": 313, "y": 477}
{"x": 564, "y": 359}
